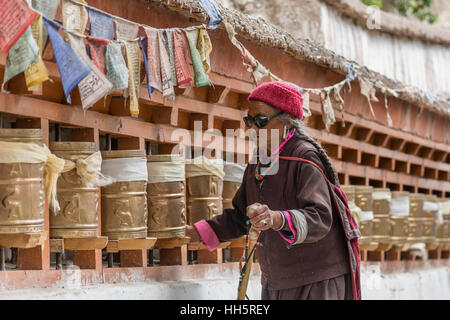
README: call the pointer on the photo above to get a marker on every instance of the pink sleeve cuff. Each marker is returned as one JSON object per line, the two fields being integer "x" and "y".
{"x": 287, "y": 214}
{"x": 207, "y": 234}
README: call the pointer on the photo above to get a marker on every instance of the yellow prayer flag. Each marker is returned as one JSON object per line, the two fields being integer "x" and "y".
{"x": 36, "y": 73}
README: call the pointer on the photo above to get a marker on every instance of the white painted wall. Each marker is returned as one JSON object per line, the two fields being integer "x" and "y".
{"x": 426, "y": 283}
{"x": 412, "y": 62}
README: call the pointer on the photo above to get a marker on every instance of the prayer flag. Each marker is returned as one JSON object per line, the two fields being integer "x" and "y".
{"x": 134, "y": 81}
{"x": 143, "y": 43}
{"x": 71, "y": 67}
{"x": 204, "y": 47}
{"x": 24, "y": 52}
{"x": 184, "y": 77}
{"x": 15, "y": 18}
{"x": 101, "y": 25}
{"x": 153, "y": 58}
{"x": 126, "y": 30}
{"x": 74, "y": 16}
{"x": 116, "y": 68}
{"x": 95, "y": 85}
{"x": 211, "y": 9}
{"x": 97, "y": 52}
{"x": 167, "y": 86}
{"x": 201, "y": 78}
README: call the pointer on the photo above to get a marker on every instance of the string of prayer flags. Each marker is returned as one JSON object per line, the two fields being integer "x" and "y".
{"x": 24, "y": 52}
{"x": 143, "y": 43}
{"x": 36, "y": 73}
{"x": 201, "y": 79}
{"x": 15, "y": 18}
{"x": 74, "y": 16}
{"x": 211, "y": 9}
{"x": 166, "y": 71}
{"x": 71, "y": 67}
{"x": 134, "y": 71}
{"x": 153, "y": 59}
{"x": 126, "y": 30}
{"x": 204, "y": 47}
{"x": 116, "y": 68}
{"x": 97, "y": 51}
{"x": 95, "y": 85}
{"x": 100, "y": 25}
{"x": 184, "y": 77}
{"x": 169, "y": 37}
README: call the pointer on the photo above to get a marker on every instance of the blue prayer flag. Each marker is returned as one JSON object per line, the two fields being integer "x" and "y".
{"x": 211, "y": 9}
{"x": 71, "y": 67}
{"x": 143, "y": 43}
{"x": 101, "y": 25}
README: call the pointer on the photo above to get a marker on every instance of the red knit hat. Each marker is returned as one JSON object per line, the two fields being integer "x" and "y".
{"x": 280, "y": 95}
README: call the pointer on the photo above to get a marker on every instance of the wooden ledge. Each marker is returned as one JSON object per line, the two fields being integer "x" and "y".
{"x": 201, "y": 246}
{"x": 76, "y": 244}
{"x": 170, "y": 243}
{"x": 130, "y": 244}
{"x": 23, "y": 240}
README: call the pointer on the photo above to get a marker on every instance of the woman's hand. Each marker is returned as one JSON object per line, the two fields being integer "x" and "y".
{"x": 192, "y": 233}
{"x": 262, "y": 218}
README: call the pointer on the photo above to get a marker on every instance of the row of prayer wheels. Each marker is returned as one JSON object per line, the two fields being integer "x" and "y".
{"x": 399, "y": 217}
{"x": 140, "y": 195}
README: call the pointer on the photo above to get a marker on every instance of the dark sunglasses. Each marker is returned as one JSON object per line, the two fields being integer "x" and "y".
{"x": 259, "y": 120}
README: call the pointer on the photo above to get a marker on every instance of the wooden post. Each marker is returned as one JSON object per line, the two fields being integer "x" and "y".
{"x": 133, "y": 258}
{"x": 174, "y": 256}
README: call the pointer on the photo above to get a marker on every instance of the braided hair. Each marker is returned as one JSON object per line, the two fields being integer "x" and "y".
{"x": 299, "y": 126}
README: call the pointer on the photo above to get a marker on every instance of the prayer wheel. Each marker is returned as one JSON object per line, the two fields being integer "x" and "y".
{"x": 416, "y": 218}
{"x": 78, "y": 217}
{"x": 443, "y": 232}
{"x": 124, "y": 203}
{"x": 349, "y": 191}
{"x": 363, "y": 199}
{"x": 234, "y": 173}
{"x": 204, "y": 180}
{"x": 21, "y": 185}
{"x": 398, "y": 213}
{"x": 430, "y": 219}
{"x": 166, "y": 196}
{"x": 381, "y": 198}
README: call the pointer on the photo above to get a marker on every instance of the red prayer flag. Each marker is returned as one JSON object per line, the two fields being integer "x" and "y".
{"x": 15, "y": 18}
{"x": 181, "y": 55}
{"x": 97, "y": 48}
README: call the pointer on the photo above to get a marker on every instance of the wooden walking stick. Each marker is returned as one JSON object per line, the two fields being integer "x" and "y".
{"x": 245, "y": 272}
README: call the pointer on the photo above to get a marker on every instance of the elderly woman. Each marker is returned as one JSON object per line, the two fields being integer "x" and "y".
{"x": 304, "y": 254}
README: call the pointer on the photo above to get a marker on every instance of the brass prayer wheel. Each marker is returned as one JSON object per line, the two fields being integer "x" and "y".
{"x": 166, "y": 196}
{"x": 430, "y": 218}
{"x": 22, "y": 187}
{"x": 443, "y": 232}
{"x": 399, "y": 213}
{"x": 78, "y": 217}
{"x": 204, "y": 195}
{"x": 415, "y": 219}
{"x": 381, "y": 198}
{"x": 231, "y": 182}
{"x": 349, "y": 191}
{"x": 363, "y": 199}
{"x": 124, "y": 203}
